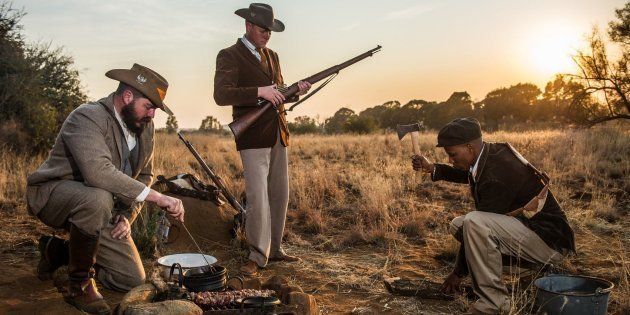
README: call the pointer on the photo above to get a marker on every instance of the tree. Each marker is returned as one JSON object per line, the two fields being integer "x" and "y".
{"x": 339, "y": 121}
{"x": 210, "y": 124}
{"x": 38, "y": 87}
{"x": 513, "y": 103}
{"x": 361, "y": 124}
{"x": 304, "y": 124}
{"x": 459, "y": 104}
{"x": 559, "y": 100}
{"x": 171, "y": 124}
{"x": 619, "y": 31}
{"x": 604, "y": 78}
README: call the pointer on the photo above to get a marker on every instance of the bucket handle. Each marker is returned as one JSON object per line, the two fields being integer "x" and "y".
{"x": 239, "y": 280}
{"x": 180, "y": 276}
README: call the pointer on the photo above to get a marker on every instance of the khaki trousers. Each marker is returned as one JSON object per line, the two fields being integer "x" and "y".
{"x": 90, "y": 209}
{"x": 267, "y": 191}
{"x": 486, "y": 237}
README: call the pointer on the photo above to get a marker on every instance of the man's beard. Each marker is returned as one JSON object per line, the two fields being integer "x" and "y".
{"x": 130, "y": 118}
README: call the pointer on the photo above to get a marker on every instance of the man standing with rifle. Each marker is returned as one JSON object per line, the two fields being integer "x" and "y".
{"x": 245, "y": 72}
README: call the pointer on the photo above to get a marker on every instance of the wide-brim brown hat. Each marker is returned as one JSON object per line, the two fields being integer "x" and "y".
{"x": 150, "y": 83}
{"x": 262, "y": 15}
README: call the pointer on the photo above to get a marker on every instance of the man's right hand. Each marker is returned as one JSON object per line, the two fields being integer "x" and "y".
{"x": 419, "y": 162}
{"x": 271, "y": 94}
{"x": 173, "y": 206}
{"x": 451, "y": 284}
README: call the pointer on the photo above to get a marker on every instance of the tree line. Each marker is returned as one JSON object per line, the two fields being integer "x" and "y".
{"x": 599, "y": 92}
{"x": 39, "y": 87}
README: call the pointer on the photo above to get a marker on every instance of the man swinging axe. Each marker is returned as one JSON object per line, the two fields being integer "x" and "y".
{"x": 515, "y": 213}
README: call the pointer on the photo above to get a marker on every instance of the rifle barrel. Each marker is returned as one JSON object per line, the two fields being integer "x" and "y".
{"x": 214, "y": 177}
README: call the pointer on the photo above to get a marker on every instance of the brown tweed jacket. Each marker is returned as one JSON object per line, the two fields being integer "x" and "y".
{"x": 88, "y": 149}
{"x": 236, "y": 81}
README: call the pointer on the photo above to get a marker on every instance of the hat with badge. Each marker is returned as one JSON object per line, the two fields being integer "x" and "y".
{"x": 150, "y": 83}
{"x": 459, "y": 131}
{"x": 261, "y": 14}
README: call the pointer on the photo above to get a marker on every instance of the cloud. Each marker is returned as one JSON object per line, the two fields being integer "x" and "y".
{"x": 409, "y": 12}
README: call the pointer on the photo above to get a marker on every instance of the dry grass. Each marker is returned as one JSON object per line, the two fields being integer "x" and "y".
{"x": 356, "y": 204}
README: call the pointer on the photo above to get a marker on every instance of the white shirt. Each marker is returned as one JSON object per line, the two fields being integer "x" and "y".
{"x": 132, "y": 140}
{"x": 251, "y": 47}
{"x": 473, "y": 169}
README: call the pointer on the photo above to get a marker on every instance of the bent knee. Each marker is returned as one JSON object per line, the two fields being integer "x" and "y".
{"x": 473, "y": 217}
{"x": 456, "y": 225}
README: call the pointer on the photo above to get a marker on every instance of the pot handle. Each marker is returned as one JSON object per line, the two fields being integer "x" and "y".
{"x": 262, "y": 303}
{"x": 180, "y": 276}
{"x": 240, "y": 279}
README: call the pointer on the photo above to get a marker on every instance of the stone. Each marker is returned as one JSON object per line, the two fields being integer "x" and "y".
{"x": 252, "y": 283}
{"x": 173, "y": 307}
{"x": 305, "y": 303}
{"x": 141, "y": 294}
{"x": 286, "y": 290}
{"x": 275, "y": 283}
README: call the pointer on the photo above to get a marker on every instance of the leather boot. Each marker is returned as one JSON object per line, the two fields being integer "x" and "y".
{"x": 53, "y": 253}
{"x": 82, "y": 291}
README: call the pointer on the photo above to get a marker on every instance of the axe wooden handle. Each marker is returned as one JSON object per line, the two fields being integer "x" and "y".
{"x": 415, "y": 141}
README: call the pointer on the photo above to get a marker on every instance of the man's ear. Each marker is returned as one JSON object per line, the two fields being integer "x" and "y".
{"x": 127, "y": 97}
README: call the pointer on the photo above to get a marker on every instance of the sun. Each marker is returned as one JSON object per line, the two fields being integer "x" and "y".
{"x": 550, "y": 47}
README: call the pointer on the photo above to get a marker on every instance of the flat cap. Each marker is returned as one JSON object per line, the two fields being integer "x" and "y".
{"x": 459, "y": 131}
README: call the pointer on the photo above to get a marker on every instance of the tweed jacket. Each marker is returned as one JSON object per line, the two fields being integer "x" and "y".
{"x": 237, "y": 78}
{"x": 503, "y": 184}
{"x": 89, "y": 149}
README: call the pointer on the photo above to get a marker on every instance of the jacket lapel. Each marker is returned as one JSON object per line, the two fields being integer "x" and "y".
{"x": 482, "y": 163}
{"x": 144, "y": 141}
{"x": 247, "y": 54}
{"x": 108, "y": 104}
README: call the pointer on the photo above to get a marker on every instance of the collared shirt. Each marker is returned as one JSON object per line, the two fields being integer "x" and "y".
{"x": 132, "y": 140}
{"x": 251, "y": 47}
{"x": 473, "y": 169}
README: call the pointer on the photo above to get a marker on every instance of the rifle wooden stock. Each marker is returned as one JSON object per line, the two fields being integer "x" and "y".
{"x": 214, "y": 177}
{"x": 239, "y": 126}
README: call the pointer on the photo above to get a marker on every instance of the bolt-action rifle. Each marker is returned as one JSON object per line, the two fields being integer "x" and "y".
{"x": 238, "y": 218}
{"x": 240, "y": 125}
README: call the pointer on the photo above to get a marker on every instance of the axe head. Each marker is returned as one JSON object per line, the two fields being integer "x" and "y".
{"x": 402, "y": 130}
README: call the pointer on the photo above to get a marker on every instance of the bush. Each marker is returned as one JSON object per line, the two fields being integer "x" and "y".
{"x": 38, "y": 87}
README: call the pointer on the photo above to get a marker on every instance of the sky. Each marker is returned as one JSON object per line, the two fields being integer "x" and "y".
{"x": 431, "y": 48}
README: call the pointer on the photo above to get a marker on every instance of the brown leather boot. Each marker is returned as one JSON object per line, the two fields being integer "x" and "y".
{"x": 53, "y": 253}
{"x": 82, "y": 291}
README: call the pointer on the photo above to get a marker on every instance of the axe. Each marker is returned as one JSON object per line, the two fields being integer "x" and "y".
{"x": 414, "y": 129}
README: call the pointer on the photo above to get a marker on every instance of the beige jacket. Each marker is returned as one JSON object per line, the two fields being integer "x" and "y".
{"x": 88, "y": 149}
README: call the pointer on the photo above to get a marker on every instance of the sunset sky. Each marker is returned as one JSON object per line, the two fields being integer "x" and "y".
{"x": 430, "y": 48}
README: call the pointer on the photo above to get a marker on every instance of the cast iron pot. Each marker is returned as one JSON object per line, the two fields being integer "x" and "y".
{"x": 203, "y": 279}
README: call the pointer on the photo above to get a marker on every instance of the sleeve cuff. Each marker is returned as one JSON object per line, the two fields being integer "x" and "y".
{"x": 143, "y": 195}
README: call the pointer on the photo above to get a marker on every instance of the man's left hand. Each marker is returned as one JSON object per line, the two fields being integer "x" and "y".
{"x": 303, "y": 87}
{"x": 122, "y": 228}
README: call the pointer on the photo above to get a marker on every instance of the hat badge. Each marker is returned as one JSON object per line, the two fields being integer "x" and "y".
{"x": 141, "y": 79}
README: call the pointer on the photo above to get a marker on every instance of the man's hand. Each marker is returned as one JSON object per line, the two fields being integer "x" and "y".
{"x": 451, "y": 284}
{"x": 173, "y": 206}
{"x": 419, "y": 162}
{"x": 303, "y": 87}
{"x": 271, "y": 94}
{"x": 122, "y": 228}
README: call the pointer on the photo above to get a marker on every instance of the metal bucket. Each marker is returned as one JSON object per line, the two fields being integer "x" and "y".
{"x": 565, "y": 294}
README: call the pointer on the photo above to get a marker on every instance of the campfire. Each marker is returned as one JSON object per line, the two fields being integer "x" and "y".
{"x": 237, "y": 296}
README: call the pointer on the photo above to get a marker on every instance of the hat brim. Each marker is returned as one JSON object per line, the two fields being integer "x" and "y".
{"x": 129, "y": 77}
{"x": 245, "y": 13}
